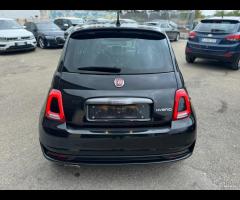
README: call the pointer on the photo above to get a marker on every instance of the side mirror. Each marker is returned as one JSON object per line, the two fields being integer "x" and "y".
{"x": 65, "y": 25}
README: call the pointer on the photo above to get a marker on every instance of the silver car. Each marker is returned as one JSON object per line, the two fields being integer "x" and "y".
{"x": 13, "y": 37}
{"x": 169, "y": 27}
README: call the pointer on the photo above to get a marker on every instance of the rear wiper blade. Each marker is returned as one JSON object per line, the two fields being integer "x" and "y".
{"x": 217, "y": 30}
{"x": 100, "y": 69}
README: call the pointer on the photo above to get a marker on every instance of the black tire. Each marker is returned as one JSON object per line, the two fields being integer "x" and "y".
{"x": 190, "y": 59}
{"x": 177, "y": 37}
{"x": 41, "y": 43}
{"x": 235, "y": 65}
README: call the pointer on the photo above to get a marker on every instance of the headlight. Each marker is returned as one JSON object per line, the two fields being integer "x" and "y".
{"x": 3, "y": 39}
{"x": 32, "y": 37}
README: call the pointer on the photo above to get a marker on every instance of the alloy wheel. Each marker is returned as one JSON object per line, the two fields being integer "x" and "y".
{"x": 41, "y": 43}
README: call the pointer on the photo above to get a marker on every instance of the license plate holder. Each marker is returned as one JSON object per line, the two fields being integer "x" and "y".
{"x": 133, "y": 112}
{"x": 209, "y": 40}
{"x": 20, "y": 43}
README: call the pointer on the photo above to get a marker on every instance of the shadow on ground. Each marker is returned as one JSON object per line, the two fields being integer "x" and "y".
{"x": 212, "y": 65}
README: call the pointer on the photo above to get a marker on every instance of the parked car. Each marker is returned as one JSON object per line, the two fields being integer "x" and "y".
{"x": 117, "y": 96}
{"x": 215, "y": 38}
{"x": 127, "y": 21}
{"x": 68, "y": 31}
{"x": 169, "y": 27}
{"x": 13, "y": 36}
{"x": 65, "y": 23}
{"x": 46, "y": 33}
{"x": 98, "y": 21}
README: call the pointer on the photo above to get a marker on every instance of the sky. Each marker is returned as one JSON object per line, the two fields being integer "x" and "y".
{"x": 19, "y": 13}
{"x": 208, "y": 12}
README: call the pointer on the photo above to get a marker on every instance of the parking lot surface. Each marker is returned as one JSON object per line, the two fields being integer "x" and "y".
{"x": 215, "y": 90}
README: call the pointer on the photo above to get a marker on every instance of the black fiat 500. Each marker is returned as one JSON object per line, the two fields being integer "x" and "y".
{"x": 117, "y": 97}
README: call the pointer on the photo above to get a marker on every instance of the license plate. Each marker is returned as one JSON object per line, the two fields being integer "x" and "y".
{"x": 209, "y": 40}
{"x": 119, "y": 112}
{"x": 20, "y": 43}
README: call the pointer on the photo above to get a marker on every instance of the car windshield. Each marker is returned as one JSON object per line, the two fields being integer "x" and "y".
{"x": 126, "y": 55}
{"x": 47, "y": 26}
{"x": 76, "y": 21}
{"x": 222, "y": 26}
{"x": 9, "y": 24}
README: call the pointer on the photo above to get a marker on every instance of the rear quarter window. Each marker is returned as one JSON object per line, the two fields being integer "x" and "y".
{"x": 133, "y": 55}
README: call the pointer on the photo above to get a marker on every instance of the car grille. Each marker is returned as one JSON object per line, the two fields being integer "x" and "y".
{"x": 26, "y": 38}
{"x": 60, "y": 40}
{"x": 12, "y": 39}
{"x": 18, "y": 38}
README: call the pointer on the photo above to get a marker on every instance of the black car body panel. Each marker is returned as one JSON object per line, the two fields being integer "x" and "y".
{"x": 81, "y": 139}
{"x": 152, "y": 86}
{"x": 50, "y": 37}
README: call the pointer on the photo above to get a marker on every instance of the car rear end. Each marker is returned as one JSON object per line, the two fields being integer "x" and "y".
{"x": 117, "y": 97}
{"x": 215, "y": 39}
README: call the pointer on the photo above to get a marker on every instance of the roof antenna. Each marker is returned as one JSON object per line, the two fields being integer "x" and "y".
{"x": 118, "y": 18}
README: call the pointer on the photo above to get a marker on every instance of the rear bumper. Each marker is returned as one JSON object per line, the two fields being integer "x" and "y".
{"x": 229, "y": 54}
{"x": 66, "y": 159}
{"x": 118, "y": 146}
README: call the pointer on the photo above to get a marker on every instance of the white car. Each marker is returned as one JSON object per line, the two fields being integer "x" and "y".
{"x": 13, "y": 37}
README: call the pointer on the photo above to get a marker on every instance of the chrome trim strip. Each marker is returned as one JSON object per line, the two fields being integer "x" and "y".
{"x": 119, "y": 101}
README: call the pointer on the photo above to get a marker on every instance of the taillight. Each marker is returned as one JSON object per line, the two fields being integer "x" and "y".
{"x": 233, "y": 37}
{"x": 54, "y": 107}
{"x": 192, "y": 35}
{"x": 182, "y": 106}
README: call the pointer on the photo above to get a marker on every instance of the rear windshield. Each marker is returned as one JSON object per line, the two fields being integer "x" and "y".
{"x": 224, "y": 26}
{"x": 130, "y": 55}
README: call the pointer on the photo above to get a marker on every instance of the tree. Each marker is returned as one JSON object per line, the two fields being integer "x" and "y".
{"x": 235, "y": 13}
{"x": 224, "y": 13}
{"x": 198, "y": 14}
{"x": 220, "y": 13}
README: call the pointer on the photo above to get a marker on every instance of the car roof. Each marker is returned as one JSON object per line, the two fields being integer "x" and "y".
{"x": 113, "y": 26}
{"x": 158, "y": 20}
{"x": 99, "y": 20}
{"x": 43, "y": 22}
{"x": 224, "y": 18}
{"x": 124, "y": 21}
{"x": 67, "y": 18}
{"x": 128, "y": 20}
